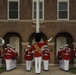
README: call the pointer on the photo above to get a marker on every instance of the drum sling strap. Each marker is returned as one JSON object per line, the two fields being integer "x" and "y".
{"x": 37, "y": 48}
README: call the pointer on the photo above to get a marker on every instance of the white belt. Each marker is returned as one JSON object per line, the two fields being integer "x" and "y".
{"x": 45, "y": 54}
{"x": 28, "y": 55}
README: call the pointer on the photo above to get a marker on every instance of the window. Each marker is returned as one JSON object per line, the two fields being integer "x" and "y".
{"x": 63, "y": 10}
{"x": 41, "y": 9}
{"x": 13, "y": 9}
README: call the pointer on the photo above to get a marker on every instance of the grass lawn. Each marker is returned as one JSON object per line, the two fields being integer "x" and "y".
{"x": 73, "y": 70}
{"x": 2, "y": 69}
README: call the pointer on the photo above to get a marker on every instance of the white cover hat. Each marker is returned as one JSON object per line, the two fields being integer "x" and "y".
{"x": 28, "y": 46}
{"x": 8, "y": 44}
{"x": 61, "y": 47}
{"x": 66, "y": 45}
{"x": 45, "y": 46}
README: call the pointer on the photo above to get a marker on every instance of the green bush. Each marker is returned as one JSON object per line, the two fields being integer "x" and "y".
{"x": 2, "y": 69}
{"x": 73, "y": 70}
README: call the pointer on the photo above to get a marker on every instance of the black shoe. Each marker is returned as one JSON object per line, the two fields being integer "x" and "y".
{"x": 45, "y": 70}
{"x": 66, "y": 70}
{"x": 14, "y": 68}
{"x": 27, "y": 70}
{"x": 61, "y": 69}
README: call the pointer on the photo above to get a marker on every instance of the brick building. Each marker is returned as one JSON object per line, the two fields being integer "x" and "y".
{"x": 57, "y": 19}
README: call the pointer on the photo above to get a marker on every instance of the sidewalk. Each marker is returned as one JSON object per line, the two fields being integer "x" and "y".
{"x": 53, "y": 70}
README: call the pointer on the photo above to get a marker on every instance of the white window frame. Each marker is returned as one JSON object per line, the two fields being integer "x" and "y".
{"x": 39, "y": 10}
{"x": 18, "y": 9}
{"x": 58, "y": 9}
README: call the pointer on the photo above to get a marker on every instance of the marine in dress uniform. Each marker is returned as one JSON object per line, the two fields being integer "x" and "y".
{"x": 45, "y": 57}
{"x": 60, "y": 57}
{"x": 8, "y": 56}
{"x": 28, "y": 58}
{"x": 12, "y": 60}
{"x": 62, "y": 54}
{"x": 15, "y": 57}
{"x": 66, "y": 58}
{"x": 37, "y": 54}
{"x": 75, "y": 57}
{"x": 0, "y": 57}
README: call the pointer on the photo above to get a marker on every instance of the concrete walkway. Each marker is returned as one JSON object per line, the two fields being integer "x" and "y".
{"x": 53, "y": 70}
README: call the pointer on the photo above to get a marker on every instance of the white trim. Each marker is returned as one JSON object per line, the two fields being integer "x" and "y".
{"x": 58, "y": 9}
{"x": 18, "y": 9}
{"x": 41, "y": 21}
{"x": 39, "y": 0}
{"x": 43, "y": 9}
{"x": 7, "y": 9}
{"x": 33, "y": 9}
{"x": 63, "y": 0}
{"x": 13, "y": 0}
{"x": 24, "y": 43}
{"x": 51, "y": 43}
{"x": 74, "y": 43}
{"x": 68, "y": 9}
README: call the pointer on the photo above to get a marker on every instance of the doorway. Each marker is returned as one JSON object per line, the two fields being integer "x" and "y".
{"x": 60, "y": 40}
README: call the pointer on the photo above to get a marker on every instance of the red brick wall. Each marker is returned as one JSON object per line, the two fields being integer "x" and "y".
{"x": 50, "y": 9}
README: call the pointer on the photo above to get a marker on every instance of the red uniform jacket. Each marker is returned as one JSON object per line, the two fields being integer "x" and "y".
{"x": 59, "y": 54}
{"x": 75, "y": 54}
{"x": 37, "y": 54}
{"x": 62, "y": 53}
{"x": 28, "y": 55}
{"x": 15, "y": 55}
{"x": 67, "y": 55}
{"x": 31, "y": 55}
{"x": 46, "y": 54}
{"x": 0, "y": 53}
{"x": 8, "y": 53}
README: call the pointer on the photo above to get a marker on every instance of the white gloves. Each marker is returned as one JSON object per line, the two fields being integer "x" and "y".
{"x": 50, "y": 39}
